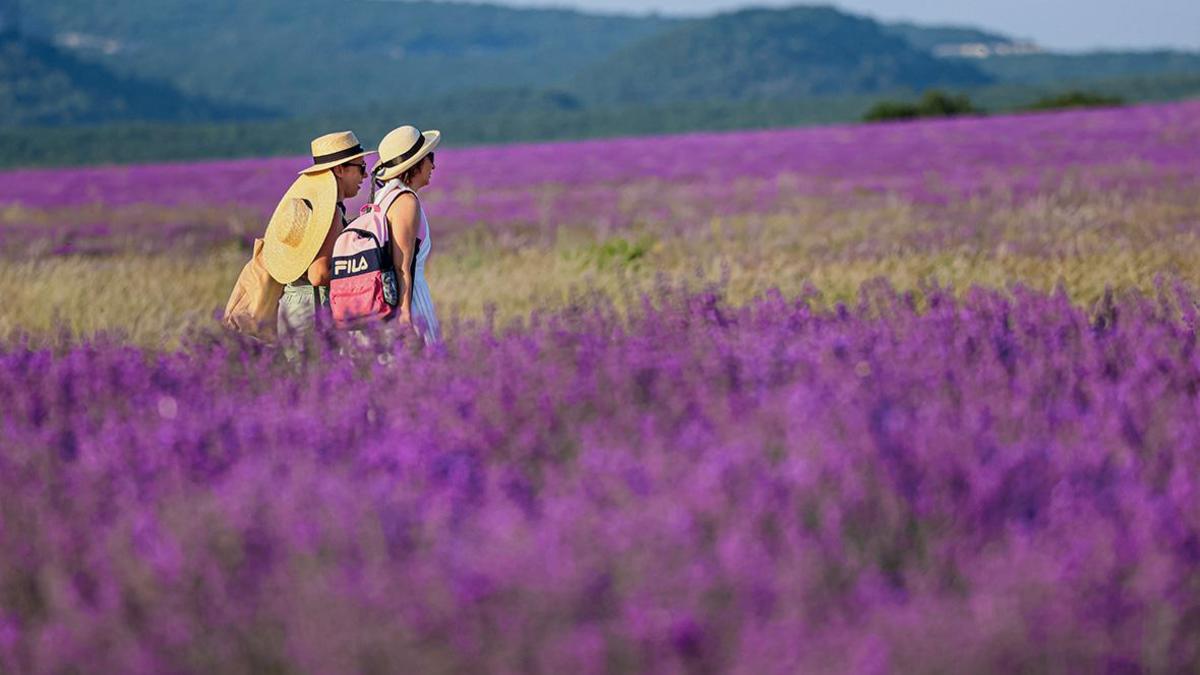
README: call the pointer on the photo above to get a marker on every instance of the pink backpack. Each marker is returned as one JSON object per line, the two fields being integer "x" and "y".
{"x": 364, "y": 288}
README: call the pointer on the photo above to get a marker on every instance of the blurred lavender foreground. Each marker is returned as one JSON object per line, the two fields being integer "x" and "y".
{"x": 1000, "y": 482}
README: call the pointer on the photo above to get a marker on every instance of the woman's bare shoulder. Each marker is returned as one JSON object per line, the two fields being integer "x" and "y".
{"x": 406, "y": 203}
{"x": 404, "y": 212}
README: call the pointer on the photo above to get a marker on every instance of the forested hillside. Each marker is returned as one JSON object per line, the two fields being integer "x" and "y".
{"x": 114, "y": 80}
{"x": 300, "y": 58}
{"x": 44, "y": 85}
{"x": 305, "y": 56}
{"x": 772, "y": 54}
{"x": 1059, "y": 68}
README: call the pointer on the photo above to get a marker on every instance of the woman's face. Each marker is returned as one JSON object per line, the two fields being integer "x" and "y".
{"x": 425, "y": 175}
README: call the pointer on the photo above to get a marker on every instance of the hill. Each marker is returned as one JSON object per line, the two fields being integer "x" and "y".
{"x": 302, "y": 58}
{"x": 44, "y": 85}
{"x": 488, "y": 73}
{"x": 309, "y": 56}
{"x": 1011, "y": 61}
{"x": 770, "y": 54}
{"x": 1064, "y": 68}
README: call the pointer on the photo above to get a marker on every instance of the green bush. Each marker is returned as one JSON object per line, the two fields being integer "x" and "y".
{"x": 891, "y": 110}
{"x": 934, "y": 103}
{"x": 1075, "y": 99}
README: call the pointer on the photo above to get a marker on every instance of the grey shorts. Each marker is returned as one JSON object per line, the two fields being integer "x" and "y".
{"x": 299, "y": 306}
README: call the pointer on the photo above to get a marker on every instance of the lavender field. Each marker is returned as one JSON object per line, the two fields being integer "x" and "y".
{"x": 898, "y": 398}
{"x": 677, "y": 182}
{"x": 1087, "y": 200}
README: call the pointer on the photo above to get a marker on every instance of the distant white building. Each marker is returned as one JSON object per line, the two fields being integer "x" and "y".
{"x": 983, "y": 50}
{"x": 84, "y": 42}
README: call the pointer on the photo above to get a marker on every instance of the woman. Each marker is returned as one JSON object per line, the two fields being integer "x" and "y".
{"x": 406, "y": 165}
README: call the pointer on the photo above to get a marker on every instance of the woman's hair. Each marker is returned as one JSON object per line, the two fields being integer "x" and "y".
{"x": 413, "y": 170}
{"x": 405, "y": 178}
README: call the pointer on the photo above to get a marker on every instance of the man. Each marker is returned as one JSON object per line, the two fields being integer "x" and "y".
{"x": 298, "y": 246}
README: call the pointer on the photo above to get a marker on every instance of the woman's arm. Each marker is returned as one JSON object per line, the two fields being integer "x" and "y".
{"x": 403, "y": 216}
{"x": 320, "y": 272}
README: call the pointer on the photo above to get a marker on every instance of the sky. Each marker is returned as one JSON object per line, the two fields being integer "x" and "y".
{"x": 1057, "y": 24}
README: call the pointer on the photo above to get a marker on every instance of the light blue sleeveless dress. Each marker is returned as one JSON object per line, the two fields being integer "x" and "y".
{"x": 424, "y": 316}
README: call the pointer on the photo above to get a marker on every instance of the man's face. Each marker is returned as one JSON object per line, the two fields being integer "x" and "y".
{"x": 350, "y": 177}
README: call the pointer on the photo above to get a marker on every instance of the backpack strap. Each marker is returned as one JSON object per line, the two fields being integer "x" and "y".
{"x": 386, "y": 204}
{"x": 391, "y": 197}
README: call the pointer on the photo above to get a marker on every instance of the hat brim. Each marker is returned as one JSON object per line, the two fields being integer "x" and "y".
{"x": 432, "y": 140}
{"x": 318, "y": 168}
{"x": 286, "y": 263}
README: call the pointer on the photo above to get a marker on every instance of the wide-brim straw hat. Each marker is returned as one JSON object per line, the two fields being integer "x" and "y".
{"x": 299, "y": 225}
{"x": 334, "y": 149}
{"x": 402, "y": 149}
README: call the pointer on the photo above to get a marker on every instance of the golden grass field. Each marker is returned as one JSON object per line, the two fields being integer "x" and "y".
{"x": 1086, "y": 243}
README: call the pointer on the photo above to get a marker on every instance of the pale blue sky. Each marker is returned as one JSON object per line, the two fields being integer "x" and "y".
{"x": 1059, "y": 24}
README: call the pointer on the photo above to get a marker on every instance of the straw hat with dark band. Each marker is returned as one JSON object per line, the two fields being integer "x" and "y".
{"x": 333, "y": 149}
{"x": 402, "y": 149}
{"x": 299, "y": 225}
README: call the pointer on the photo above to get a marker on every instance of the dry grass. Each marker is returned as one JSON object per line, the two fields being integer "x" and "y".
{"x": 149, "y": 299}
{"x": 1085, "y": 244}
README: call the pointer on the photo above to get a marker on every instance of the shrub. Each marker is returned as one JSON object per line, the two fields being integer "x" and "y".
{"x": 933, "y": 103}
{"x": 1076, "y": 99}
{"x": 890, "y": 110}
